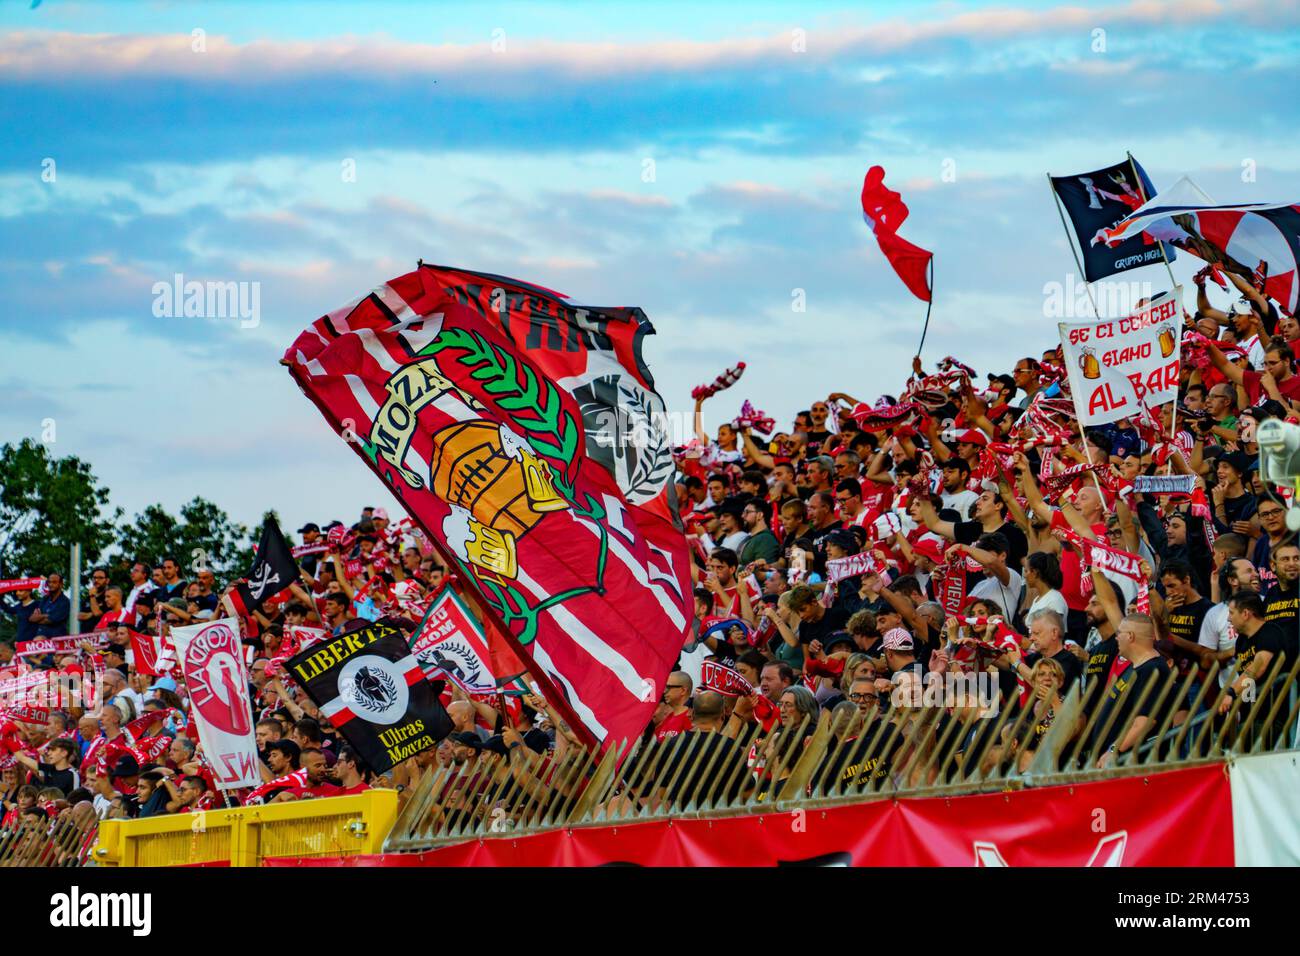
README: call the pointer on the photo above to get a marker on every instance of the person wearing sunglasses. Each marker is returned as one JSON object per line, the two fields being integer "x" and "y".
{"x": 673, "y": 716}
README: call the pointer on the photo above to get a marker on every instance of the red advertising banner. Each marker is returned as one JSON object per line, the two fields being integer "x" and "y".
{"x": 1175, "y": 818}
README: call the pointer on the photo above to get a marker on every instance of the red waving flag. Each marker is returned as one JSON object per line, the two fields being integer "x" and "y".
{"x": 469, "y": 396}
{"x": 884, "y": 211}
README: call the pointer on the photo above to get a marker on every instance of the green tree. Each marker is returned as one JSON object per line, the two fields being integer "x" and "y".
{"x": 202, "y": 536}
{"x": 46, "y": 505}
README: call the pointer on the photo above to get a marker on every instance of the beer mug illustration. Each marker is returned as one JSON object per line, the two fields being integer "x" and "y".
{"x": 1088, "y": 363}
{"x": 1166, "y": 341}
{"x": 479, "y": 544}
{"x": 492, "y": 549}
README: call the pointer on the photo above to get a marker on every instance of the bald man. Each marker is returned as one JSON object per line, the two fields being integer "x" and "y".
{"x": 673, "y": 716}
{"x": 463, "y": 719}
{"x": 1139, "y": 690}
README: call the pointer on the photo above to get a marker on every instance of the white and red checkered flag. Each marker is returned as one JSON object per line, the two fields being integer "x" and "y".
{"x": 469, "y": 399}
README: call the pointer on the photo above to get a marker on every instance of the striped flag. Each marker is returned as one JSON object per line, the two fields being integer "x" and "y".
{"x": 1257, "y": 241}
{"x": 464, "y": 412}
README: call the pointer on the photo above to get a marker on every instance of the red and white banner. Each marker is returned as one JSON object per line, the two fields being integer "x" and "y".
{"x": 212, "y": 663}
{"x": 725, "y": 680}
{"x": 60, "y": 645}
{"x": 152, "y": 654}
{"x": 449, "y": 643}
{"x": 1116, "y": 365}
{"x": 1261, "y": 240}
{"x": 21, "y": 584}
{"x": 864, "y": 562}
{"x": 1175, "y": 818}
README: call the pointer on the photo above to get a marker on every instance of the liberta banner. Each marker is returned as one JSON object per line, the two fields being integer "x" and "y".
{"x": 461, "y": 410}
{"x": 1116, "y": 366}
{"x": 212, "y": 662}
{"x": 370, "y": 687}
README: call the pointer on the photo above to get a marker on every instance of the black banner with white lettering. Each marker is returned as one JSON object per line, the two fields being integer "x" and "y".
{"x": 372, "y": 689}
{"x": 1098, "y": 200}
{"x": 274, "y": 569}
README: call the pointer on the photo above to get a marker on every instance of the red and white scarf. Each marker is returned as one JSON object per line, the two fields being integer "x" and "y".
{"x": 1103, "y": 557}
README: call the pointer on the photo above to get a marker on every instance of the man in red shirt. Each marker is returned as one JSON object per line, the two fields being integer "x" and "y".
{"x": 318, "y": 775}
{"x": 722, "y": 582}
{"x": 676, "y": 709}
{"x": 1279, "y": 372}
{"x": 348, "y": 773}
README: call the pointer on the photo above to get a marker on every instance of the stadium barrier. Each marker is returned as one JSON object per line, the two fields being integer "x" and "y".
{"x": 333, "y": 827}
{"x": 831, "y": 761}
{"x": 904, "y": 761}
{"x": 65, "y": 843}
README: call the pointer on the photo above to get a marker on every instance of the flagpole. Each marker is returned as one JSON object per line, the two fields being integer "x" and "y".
{"x": 1132, "y": 164}
{"x": 929, "y": 305}
{"x": 1173, "y": 284}
{"x": 1070, "y": 242}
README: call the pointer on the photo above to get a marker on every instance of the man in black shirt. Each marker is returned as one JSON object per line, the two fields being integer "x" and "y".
{"x": 1233, "y": 503}
{"x": 1187, "y": 610}
{"x": 817, "y": 431}
{"x": 816, "y": 623}
{"x": 714, "y": 763}
{"x": 59, "y": 772}
{"x": 1103, "y": 610}
{"x": 1047, "y": 631}
{"x": 1283, "y": 600}
{"x": 1135, "y": 693}
{"x": 988, "y": 515}
{"x": 1259, "y": 641}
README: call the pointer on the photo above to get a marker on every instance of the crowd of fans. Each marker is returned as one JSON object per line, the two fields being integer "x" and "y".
{"x": 841, "y": 566}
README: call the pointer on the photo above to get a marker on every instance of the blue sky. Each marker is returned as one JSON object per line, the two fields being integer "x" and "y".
{"x": 513, "y": 138}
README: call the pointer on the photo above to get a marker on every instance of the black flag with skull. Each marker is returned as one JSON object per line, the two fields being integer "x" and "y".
{"x": 273, "y": 570}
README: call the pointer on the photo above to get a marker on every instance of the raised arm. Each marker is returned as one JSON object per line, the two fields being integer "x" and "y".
{"x": 931, "y": 519}
{"x": 756, "y": 454}
{"x": 1204, "y": 308}
{"x": 1033, "y": 497}
{"x": 700, "y": 433}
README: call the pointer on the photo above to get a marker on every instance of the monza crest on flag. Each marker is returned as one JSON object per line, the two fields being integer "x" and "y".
{"x": 477, "y": 421}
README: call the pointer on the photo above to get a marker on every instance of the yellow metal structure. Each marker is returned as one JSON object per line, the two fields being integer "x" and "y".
{"x": 328, "y": 827}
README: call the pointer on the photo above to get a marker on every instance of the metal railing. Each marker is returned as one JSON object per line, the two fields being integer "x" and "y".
{"x": 951, "y": 750}
{"x": 64, "y": 843}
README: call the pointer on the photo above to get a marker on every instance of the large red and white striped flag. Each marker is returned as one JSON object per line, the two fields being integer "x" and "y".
{"x": 1259, "y": 241}
{"x": 470, "y": 396}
